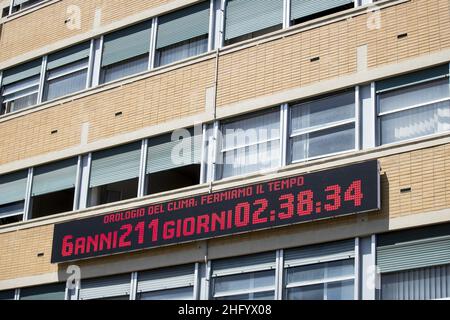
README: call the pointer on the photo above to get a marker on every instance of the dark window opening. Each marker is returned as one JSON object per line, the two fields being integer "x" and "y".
{"x": 52, "y": 203}
{"x": 9, "y": 220}
{"x": 253, "y": 34}
{"x": 173, "y": 179}
{"x": 323, "y": 13}
{"x": 11, "y": 212}
{"x": 5, "y": 12}
{"x": 113, "y": 192}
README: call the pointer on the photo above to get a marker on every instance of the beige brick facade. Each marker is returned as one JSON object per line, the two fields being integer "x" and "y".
{"x": 254, "y": 70}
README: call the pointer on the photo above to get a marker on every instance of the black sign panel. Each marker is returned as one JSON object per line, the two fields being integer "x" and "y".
{"x": 286, "y": 201}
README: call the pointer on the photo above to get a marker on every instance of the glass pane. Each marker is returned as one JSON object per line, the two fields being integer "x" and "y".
{"x": 342, "y": 290}
{"x": 67, "y": 68}
{"x": 323, "y": 142}
{"x": 23, "y": 102}
{"x": 171, "y": 294}
{"x": 266, "y": 295}
{"x": 306, "y": 273}
{"x": 25, "y": 85}
{"x": 11, "y": 209}
{"x": 320, "y": 271}
{"x": 246, "y": 281}
{"x": 320, "y": 112}
{"x": 415, "y": 122}
{"x": 313, "y": 292}
{"x": 341, "y": 268}
{"x": 254, "y": 158}
{"x": 183, "y": 50}
{"x": 65, "y": 85}
{"x": 414, "y": 95}
{"x": 252, "y": 130}
{"x": 124, "y": 69}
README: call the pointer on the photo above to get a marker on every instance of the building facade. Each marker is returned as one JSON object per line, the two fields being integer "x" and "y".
{"x": 117, "y": 113}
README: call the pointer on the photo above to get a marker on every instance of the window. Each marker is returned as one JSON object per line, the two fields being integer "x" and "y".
{"x": 173, "y": 163}
{"x": 53, "y": 188}
{"x": 23, "y": 4}
{"x": 415, "y": 264}
{"x": 7, "y": 295}
{"x": 308, "y": 277}
{"x": 125, "y": 52}
{"x": 106, "y": 288}
{"x": 67, "y": 71}
{"x": 323, "y": 126}
{"x": 5, "y": 12}
{"x": 46, "y": 292}
{"x": 114, "y": 174}
{"x": 250, "y": 144}
{"x": 304, "y": 10}
{"x": 244, "y": 278}
{"x": 414, "y": 105}
{"x": 12, "y": 196}
{"x": 20, "y": 86}
{"x": 246, "y": 19}
{"x": 182, "y": 34}
{"x": 167, "y": 284}
{"x": 417, "y": 284}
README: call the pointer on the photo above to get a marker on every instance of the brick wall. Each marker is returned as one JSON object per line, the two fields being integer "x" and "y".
{"x": 47, "y": 25}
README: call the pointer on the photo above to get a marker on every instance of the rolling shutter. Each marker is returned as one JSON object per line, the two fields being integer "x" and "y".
{"x": 253, "y": 263}
{"x": 304, "y": 8}
{"x": 68, "y": 56}
{"x": 47, "y": 292}
{"x": 163, "y": 152}
{"x": 247, "y": 16}
{"x": 127, "y": 43}
{"x": 165, "y": 279}
{"x": 22, "y": 72}
{"x": 183, "y": 25}
{"x": 54, "y": 177}
{"x": 100, "y": 288}
{"x": 410, "y": 78}
{"x": 414, "y": 254}
{"x": 320, "y": 253}
{"x": 13, "y": 187}
{"x": 114, "y": 165}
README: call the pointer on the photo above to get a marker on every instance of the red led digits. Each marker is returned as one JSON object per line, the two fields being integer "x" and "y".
{"x": 67, "y": 246}
{"x": 288, "y": 205}
{"x": 305, "y": 203}
{"x": 140, "y": 230}
{"x": 334, "y": 197}
{"x": 263, "y": 203}
{"x": 242, "y": 215}
{"x": 354, "y": 193}
{"x": 122, "y": 240}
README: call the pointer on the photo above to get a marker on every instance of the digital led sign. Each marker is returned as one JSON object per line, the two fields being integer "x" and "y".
{"x": 308, "y": 197}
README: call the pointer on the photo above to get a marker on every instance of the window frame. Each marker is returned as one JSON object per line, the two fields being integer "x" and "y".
{"x": 379, "y": 114}
{"x": 325, "y": 281}
{"x": 331, "y": 125}
{"x": 219, "y": 160}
